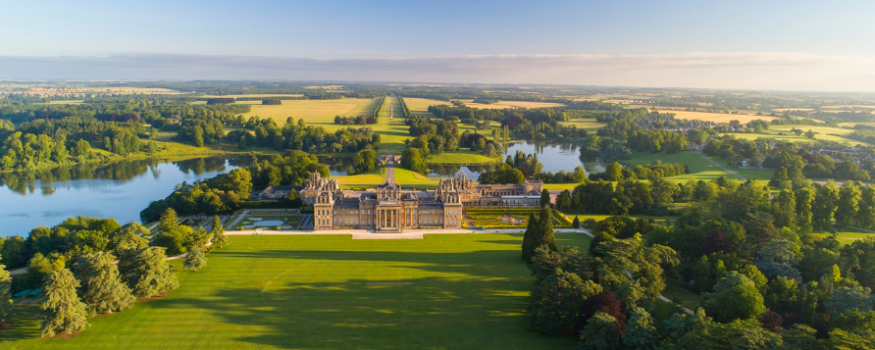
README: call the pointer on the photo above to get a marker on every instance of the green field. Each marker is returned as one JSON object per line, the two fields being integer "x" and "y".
{"x": 330, "y": 292}
{"x": 699, "y": 168}
{"x": 461, "y": 157}
{"x": 585, "y": 123}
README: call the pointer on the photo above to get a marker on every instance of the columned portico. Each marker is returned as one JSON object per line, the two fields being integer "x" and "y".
{"x": 389, "y": 219}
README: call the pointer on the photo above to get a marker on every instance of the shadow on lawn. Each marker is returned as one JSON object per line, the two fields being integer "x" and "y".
{"x": 475, "y": 311}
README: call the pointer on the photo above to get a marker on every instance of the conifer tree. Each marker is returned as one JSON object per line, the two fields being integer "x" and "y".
{"x": 146, "y": 272}
{"x": 102, "y": 289}
{"x": 195, "y": 259}
{"x": 544, "y": 233}
{"x": 575, "y": 223}
{"x": 219, "y": 239}
{"x": 7, "y": 310}
{"x": 63, "y": 312}
{"x": 528, "y": 239}
{"x": 545, "y": 198}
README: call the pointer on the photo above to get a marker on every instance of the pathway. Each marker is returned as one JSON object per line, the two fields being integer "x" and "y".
{"x": 722, "y": 167}
{"x": 390, "y": 169}
{"x": 239, "y": 217}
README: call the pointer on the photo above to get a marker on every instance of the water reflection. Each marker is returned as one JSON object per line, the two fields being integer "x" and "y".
{"x": 118, "y": 190}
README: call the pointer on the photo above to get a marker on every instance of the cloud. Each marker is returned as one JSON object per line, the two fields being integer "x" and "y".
{"x": 735, "y": 70}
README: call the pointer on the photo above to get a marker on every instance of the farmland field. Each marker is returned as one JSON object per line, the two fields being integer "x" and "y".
{"x": 314, "y": 112}
{"x": 255, "y": 95}
{"x": 717, "y": 117}
{"x": 821, "y": 133}
{"x": 510, "y": 104}
{"x": 331, "y": 292}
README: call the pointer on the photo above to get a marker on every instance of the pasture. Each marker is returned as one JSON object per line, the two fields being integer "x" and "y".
{"x": 419, "y": 106}
{"x": 330, "y": 292}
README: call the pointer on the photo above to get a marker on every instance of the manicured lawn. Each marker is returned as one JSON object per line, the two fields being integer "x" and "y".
{"x": 330, "y": 292}
{"x": 407, "y": 177}
{"x": 461, "y": 157}
{"x": 373, "y": 177}
{"x": 585, "y": 123}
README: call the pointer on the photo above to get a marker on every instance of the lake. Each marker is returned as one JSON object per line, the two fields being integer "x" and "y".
{"x": 555, "y": 157}
{"x": 119, "y": 190}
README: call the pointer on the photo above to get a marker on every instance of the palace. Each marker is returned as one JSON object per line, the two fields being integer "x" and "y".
{"x": 389, "y": 208}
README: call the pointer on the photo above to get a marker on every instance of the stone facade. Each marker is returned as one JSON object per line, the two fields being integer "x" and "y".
{"x": 389, "y": 208}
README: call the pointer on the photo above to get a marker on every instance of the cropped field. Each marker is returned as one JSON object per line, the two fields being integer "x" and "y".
{"x": 510, "y": 104}
{"x": 314, "y": 112}
{"x": 330, "y": 292}
{"x": 718, "y": 117}
{"x": 256, "y": 95}
{"x": 825, "y": 133}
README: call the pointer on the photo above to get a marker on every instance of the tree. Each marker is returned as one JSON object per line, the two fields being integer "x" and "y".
{"x": 663, "y": 193}
{"x": 7, "y": 309}
{"x": 219, "y": 239}
{"x": 529, "y": 238}
{"x": 614, "y": 172}
{"x": 640, "y": 330}
{"x": 760, "y": 230}
{"x": 824, "y": 206}
{"x": 544, "y": 234}
{"x": 755, "y": 275}
{"x": 735, "y": 297}
{"x": 146, "y": 272}
{"x": 576, "y": 222}
{"x": 545, "y": 199}
{"x": 783, "y": 295}
{"x": 784, "y": 209}
{"x": 568, "y": 259}
{"x": 414, "y": 160}
{"x": 866, "y": 211}
{"x": 600, "y": 333}
{"x": 364, "y": 161}
{"x": 195, "y": 259}
{"x": 102, "y": 289}
{"x": 615, "y": 259}
{"x": 63, "y": 312}
{"x": 804, "y": 206}
{"x": 563, "y": 200}
{"x": 847, "y": 205}
{"x": 778, "y": 259}
{"x": 556, "y": 301}
{"x": 293, "y": 195}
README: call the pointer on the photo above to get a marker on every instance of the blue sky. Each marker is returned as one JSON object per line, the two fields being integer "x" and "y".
{"x": 822, "y": 40}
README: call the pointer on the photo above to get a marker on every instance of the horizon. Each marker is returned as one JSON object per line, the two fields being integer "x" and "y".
{"x": 780, "y": 45}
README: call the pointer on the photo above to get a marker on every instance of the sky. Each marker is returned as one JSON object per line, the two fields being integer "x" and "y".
{"x": 779, "y": 45}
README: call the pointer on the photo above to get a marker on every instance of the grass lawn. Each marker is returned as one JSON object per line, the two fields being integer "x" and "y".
{"x": 419, "y": 106}
{"x": 461, "y": 157}
{"x": 330, "y": 292}
{"x": 699, "y": 168}
{"x": 846, "y": 237}
{"x": 407, "y": 177}
{"x": 585, "y": 123}
{"x": 373, "y": 177}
